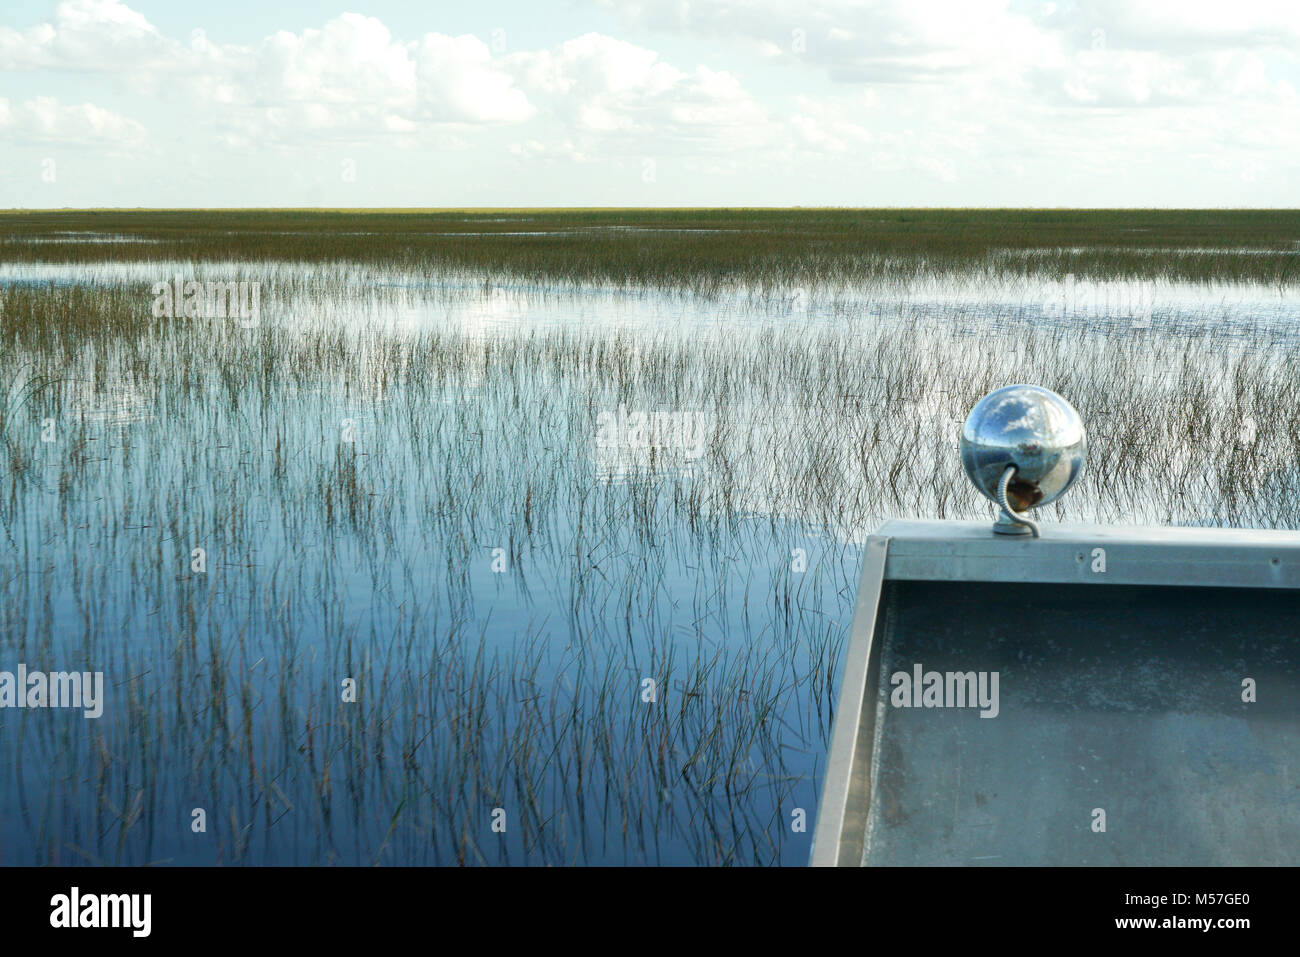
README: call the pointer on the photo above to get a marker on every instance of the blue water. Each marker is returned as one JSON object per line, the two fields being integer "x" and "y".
{"x": 401, "y": 487}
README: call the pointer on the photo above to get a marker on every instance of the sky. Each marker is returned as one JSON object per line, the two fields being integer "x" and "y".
{"x": 506, "y": 103}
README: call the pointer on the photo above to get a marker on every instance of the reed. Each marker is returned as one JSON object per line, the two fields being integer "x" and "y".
{"x": 701, "y": 250}
{"x": 376, "y": 559}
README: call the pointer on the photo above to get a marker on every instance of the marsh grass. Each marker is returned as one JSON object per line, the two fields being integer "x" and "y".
{"x": 704, "y": 250}
{"x": 372, "y": 559}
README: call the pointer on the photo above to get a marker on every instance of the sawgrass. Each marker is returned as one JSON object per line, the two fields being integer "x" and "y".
{"x": 701, "y": 249}
{"x": 372, "y": 559}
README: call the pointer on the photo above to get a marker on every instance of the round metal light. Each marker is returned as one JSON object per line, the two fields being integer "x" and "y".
{"x": 1033, "y": 431}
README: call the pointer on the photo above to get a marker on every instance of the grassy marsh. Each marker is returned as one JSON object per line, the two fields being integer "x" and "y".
{"x": 356, "y": 485}
{"x": 693, "y": 248}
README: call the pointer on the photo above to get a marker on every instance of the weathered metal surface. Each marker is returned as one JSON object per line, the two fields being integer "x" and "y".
{"x": 1206, "y": 557}
{"x": 1118, "y": 691}
{"x": 844, "y": 774}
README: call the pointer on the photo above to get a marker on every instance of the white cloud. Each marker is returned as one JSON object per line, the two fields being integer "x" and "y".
{"x": 89, "y": 35}
{"x": 830, "y": 126}
{"x": 1120, "y": 77}
{"x": 351, "y": 80}
{"x": 351, "y": 59}
{"x": 972, "y": 91}
{"x": 619, "y": 93}
{"x": 896, "y": 41}
{"x": 460, "y": 81}
{"x": 1179, "y": 26}
{"x": 44, "y": 120}
{"x": 1093, "y": 53}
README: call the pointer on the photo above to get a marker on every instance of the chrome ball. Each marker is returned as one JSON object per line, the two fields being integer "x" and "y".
{"x": 1033, "y": 429}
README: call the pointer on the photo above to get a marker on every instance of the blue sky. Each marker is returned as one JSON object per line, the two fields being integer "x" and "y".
{"x": 657, "y": 102}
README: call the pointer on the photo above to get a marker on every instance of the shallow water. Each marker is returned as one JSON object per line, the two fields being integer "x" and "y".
{"x": 404, "y": 482}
